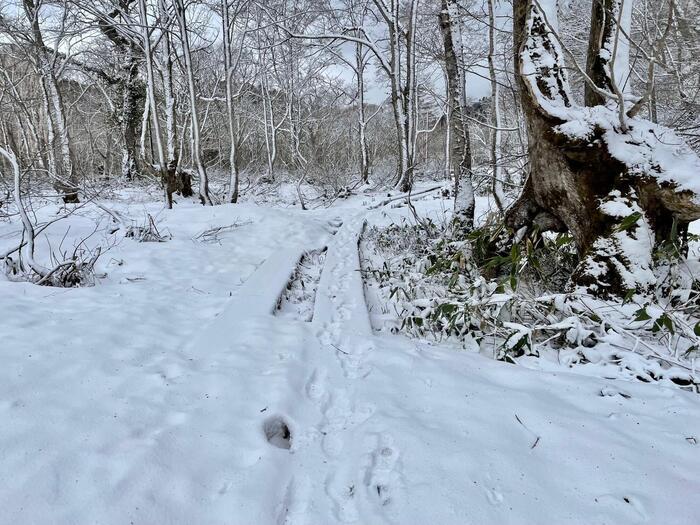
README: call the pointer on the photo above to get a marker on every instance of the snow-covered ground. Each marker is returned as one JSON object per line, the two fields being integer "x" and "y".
{"x": 176, "y": 391}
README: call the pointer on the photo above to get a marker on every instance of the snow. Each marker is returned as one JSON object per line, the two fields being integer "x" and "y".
{"x": 541, "y": 59}
{"x": 636, "y": 247}
{"x": 647, "y": 148}
{"x": 170, "y": 393}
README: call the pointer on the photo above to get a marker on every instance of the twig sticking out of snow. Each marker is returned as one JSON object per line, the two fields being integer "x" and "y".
{"x": 537, "y": 438}
{"x": 148, "y": 232}
{"x": 403, "y": 196}
{"x": 213, "y": 235}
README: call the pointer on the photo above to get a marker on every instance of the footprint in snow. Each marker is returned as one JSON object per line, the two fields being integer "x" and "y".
{"x": 342, "y": 491}
{"x": 316, "y": 385}
{"x": 277, "y": 432}
{"x": 354, "y": 362}
{"x": 295, "y": 501}
{"x": 383, "y": 478}
{"x": 334, "y": 225}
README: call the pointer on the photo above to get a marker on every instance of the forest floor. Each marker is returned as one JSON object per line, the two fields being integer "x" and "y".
{"x": 234, "y": 377}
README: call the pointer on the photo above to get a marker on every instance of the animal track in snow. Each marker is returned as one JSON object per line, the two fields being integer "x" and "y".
{"x": 316, "y": 385}
{"x": 382, "y": 478}
{"x": 354, "y": 361}
{"x": 342, "y": 492}
{"x": 336, "y": 413}
{"x": 334, "y": 225}
{"x": 277, "y": 432}
{"x": 295, "y": 501}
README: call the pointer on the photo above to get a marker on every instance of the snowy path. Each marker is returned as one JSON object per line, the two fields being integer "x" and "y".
{"x": 144, "y": 401}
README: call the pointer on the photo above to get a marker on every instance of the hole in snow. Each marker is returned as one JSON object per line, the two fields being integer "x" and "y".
{"x": 277, "y": 432}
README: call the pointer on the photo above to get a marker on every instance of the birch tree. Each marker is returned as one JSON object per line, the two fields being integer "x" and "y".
{"x": 167, "y": 177}
{"x": 495, "y": 132}
{"x": 60, "y": 154}
{"x": 195, "y": 130}
{"x": 460, "y": 149}
{"x": 167, "y": 61}
{"x": 230, "y": 62}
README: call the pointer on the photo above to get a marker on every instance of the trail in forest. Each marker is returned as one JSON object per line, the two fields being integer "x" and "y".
{"x": 283, "y": 406}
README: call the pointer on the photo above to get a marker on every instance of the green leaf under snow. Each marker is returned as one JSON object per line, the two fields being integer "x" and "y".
{"x": 629, "y": 221}
{"x": 641, "y": 315}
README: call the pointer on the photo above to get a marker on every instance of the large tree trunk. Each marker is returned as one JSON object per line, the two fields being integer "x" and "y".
{"x": 128, "y": 57}
{"x": 130, "y": 117}
{"x": 460, "y": 149}
{"x": 171, "y": 152}
{"x": 578, "y": 181}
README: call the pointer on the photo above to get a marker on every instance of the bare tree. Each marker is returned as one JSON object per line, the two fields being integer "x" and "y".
{"x": 398, "y": 62}
{"x": 195, "y": 129}
{"x": 230, "y": 63}
{"x": 495, "y": 149}
{"x": 60, "y": 156}
{"x": 460, "y": 150}
{"x": 168, "y": 177}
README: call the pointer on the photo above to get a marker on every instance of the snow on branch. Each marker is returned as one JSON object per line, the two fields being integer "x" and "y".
{"x": 648, "y": 150}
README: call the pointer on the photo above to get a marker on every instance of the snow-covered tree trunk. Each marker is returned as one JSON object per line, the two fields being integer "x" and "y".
{"x": 129, "y": 114}
{"x": 28, "y": 233}
{"x": 495, "y": 149}
{"x": 460, "y": 149}
{"x": 169, "y": 181}
{"x": 403, "y": 82}
{"x": 405, "y": 163}
{"x": 195, "y": 139}
{"x": 170, "y": 102}
{"x": 617, "y": 191}
{"x": 129, "y": 55}
{"x": 270, "y": 126}
{"x": 608, "y": 48}
{"x": 410, "y": 97}
{"x": 361, "y": 118}
{"x": 145, "y": 117}
{"x": 228, "y": 72}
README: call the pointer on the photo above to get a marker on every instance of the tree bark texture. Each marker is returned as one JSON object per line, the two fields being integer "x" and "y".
{"x": 615, "y": 216}
{"x": 460, "y": 148}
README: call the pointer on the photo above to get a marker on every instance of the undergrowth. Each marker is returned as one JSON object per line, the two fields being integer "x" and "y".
{"x": 513, "y": 301}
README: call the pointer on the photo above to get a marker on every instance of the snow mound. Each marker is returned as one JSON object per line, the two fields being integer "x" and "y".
{"x": 645, "y": 148}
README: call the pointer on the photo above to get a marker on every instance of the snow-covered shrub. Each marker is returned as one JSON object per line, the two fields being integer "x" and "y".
{"x": 147, "y": 231}
{"x": 67, "y": 270}
{"x": 513, "y": 302}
